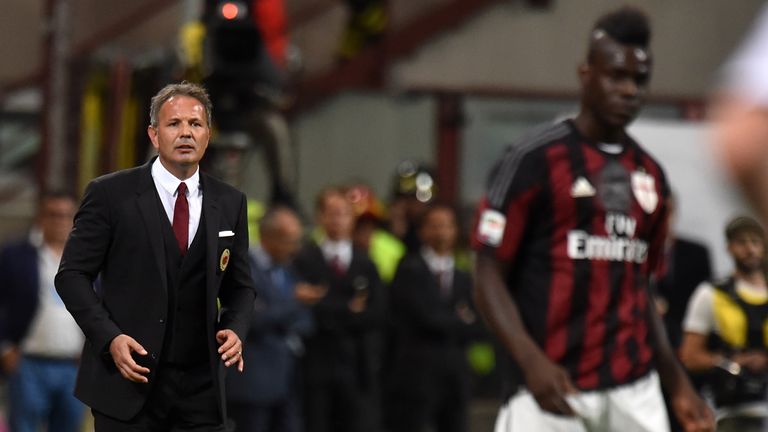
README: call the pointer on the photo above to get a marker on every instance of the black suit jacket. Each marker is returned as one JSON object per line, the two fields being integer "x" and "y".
{"x": 343, "y": 341}
{"x": 117, "y": 236}
{"x": 19, "y": 297}
{"x": 430, "y": 335}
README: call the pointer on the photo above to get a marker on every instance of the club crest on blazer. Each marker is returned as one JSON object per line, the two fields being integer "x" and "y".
{"x": 224, "y": 259}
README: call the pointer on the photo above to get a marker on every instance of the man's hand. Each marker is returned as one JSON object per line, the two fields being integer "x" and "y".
{"x": 358, "y": 303}
{"x": 309, "y": 294}
{"x": 754, "y": 361}
{"x": 121, "y": 348}
{"x": 231, "y": 348}
{"x": 691, "y": 411}
{"x": 550, "y": 384}
{"x": 9, "y": 359}
{"x": 465, "y": 313}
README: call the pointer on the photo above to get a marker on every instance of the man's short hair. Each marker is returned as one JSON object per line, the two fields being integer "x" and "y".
{"x": 180, "y": 89}
{"x": 56, "y": 193}
{"x": 742, "y": 224}
{"x": 627, "y": 26}
{"x": 268, "y": 222}
{"x": 326, "y": 193}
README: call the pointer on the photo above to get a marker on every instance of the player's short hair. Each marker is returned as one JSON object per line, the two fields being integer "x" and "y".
{"x": 627, "y": 25}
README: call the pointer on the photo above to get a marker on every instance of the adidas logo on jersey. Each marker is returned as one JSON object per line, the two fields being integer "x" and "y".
{"x": 581, "y": 188}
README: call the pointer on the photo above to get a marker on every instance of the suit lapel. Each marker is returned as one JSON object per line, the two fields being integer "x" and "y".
{"x": 211, "y": 216}
{"x": 146, "y": 200}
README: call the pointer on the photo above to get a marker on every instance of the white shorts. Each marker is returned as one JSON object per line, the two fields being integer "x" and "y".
{"x": 634, "y": 407}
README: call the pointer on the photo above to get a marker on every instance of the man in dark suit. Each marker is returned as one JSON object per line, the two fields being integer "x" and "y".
{"x": 687, "y": 265}
{"x": 341, "y": 363}
{"x": 264, "y": 399}
{"x": 169, "y": 246}
{"x": 431, "y": 304}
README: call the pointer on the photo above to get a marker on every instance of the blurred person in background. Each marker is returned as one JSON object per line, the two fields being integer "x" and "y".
{"x": 568, "y": 235}
{"x": 40, "y": 340}
{"x": 740, "y": 114}
{"x": 369, "y": 234}
{"x": 169, "y": 246}
{"x": 266, "y": 397}
{"x": 249, "y": 69}
{"x": 434, "y": 319}
{"x": 343, "y": 289}
{"x": 726, "y": 331}
{"x": 685, "y": 265}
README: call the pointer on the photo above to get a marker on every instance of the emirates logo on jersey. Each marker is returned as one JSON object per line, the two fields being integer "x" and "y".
{"x": 619, "y": 244}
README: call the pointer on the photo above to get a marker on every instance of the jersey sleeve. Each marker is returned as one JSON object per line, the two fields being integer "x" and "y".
{"x": 503, "y": 213}
{"x": 699, "y": 316}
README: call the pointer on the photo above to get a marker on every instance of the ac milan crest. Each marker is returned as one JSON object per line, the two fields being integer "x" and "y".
{"x": 644, "y": 189}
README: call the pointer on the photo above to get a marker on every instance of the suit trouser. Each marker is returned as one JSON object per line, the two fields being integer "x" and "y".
{"x": 334, "y": 406}
{"x": 280, "y": 416}
{"x": 436, "y": 398}
{"x": 181, "y": 399}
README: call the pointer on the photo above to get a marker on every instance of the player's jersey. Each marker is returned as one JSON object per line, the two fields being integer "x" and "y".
{"x": 580, "y": 230}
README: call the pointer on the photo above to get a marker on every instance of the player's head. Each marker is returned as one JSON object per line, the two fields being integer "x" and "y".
{"x": 746, "y": 244}
{"x": 614, "y": 76}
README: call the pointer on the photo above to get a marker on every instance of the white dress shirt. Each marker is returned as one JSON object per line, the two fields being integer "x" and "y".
{"x": 442, "y": 265}
{"x": 167, "y": 185}
{"x": 53, "y": 332}
{"x": 341, "y": 251}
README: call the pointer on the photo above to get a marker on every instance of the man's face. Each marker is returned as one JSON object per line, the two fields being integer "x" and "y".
{"x": 182, "y": 133}
{"x": 55, "y": 219}
{"x": 285, "y": 241}
{"x": 615, "y": 81}
{"x": 439, "y": 230}
{"x": 748, "y": 251}
{"x": 336, "y": 217}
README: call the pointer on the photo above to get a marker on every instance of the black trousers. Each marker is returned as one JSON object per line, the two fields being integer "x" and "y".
{"x": 181, "y": 399}
{"x": 282, "y": 416}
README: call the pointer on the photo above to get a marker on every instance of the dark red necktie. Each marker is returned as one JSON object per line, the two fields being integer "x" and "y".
{"x": 337, "y": 266}
{"x": 181, "y": 218}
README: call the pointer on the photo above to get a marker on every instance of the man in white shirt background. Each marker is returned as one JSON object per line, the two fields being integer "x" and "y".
{"x": 725, "y": 331}
{"x": 41, "y": 342}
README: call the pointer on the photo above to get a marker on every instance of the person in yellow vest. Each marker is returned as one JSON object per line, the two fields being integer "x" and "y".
{"x": 726, "y": 331}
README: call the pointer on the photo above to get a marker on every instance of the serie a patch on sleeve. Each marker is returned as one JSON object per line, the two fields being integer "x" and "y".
{"x": 490, "y": 230}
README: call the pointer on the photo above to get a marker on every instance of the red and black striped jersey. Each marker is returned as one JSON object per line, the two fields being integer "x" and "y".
{"x": 579, "y": 229}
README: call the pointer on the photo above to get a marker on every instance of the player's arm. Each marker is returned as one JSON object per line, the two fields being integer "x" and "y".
{"x": 547, "y": 382}
{"x": 690, "y": 409}
{"x": 504, "y": 216}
